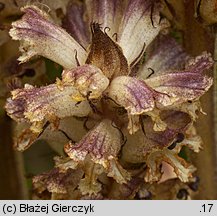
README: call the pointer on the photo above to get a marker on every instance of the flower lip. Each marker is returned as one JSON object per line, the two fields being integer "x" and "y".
{"x": 57, "y": 181}
{"x": 141, "y": 23}
{"x": 40, "y": 36}
{"x": 166, "y": 55}
{"x": 88, "y": 80}
{"x": 182, "y": 86}
{"x": 102, "y": 144}
{"x": 133, "y": 94}
{"x": 37, "y": 104}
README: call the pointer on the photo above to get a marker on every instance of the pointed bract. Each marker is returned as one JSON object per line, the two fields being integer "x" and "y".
{"x": 106, "y": 54}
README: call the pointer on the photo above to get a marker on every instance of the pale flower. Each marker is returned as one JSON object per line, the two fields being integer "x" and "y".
{"x": 102, "y": 55}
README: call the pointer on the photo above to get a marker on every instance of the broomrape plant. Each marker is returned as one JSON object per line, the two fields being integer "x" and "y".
{"x": 126, "y": 82}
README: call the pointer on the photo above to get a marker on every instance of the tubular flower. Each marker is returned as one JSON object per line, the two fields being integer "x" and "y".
{"x": 102, "y": 144}
{"x": 137, "y": 109}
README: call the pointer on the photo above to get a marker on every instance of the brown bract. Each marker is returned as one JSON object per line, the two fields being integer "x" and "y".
{"x": 106, "y": 54}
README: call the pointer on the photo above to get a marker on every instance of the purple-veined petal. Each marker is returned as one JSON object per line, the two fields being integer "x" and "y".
{"x": 107, "y": 13}
{"x": 56, "y": 181}
{"x": 40, "y": 36}
{"x": 186, "y": 85}
{"x": 133, "y": 94}
{"x": 61, "y": 181}
{"x": 140, "y": 25}
{"x": 102, "y": 144}
{"x": 137, "y": 98}
{"x": 76, "y": 24}
{"x": 41, "y": 104}
{"x": 166, "y": 55}
{"x": 55, "y": 101}
{"x": 88, "y": 80}
{"x": 106, "y": 54}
